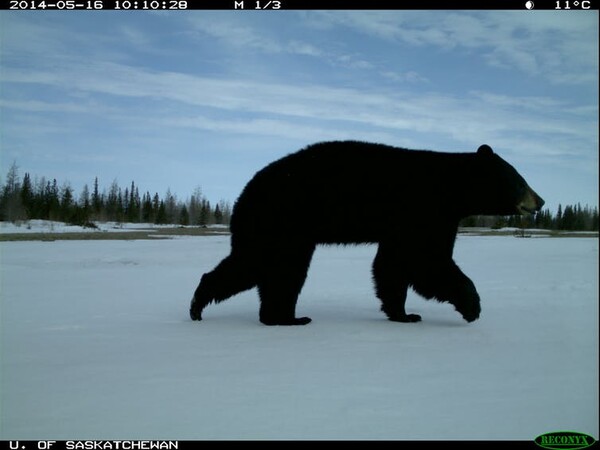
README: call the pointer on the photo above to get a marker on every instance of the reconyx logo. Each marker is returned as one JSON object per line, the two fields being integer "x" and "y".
{"x": 564, "y": 440}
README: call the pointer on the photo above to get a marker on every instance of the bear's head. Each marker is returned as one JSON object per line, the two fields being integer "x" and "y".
{"x": 501, "y": 190}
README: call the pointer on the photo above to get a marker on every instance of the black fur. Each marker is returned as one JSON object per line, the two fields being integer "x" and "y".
{"x": 408, "y": 201}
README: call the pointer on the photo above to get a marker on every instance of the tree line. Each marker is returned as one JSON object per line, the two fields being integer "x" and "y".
{"x": 569, "y": 218}
{"x": 26, "y": 199}
{"x": 44, "y": 199}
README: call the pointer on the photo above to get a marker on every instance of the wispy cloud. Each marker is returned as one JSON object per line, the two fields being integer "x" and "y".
{"x": 39, "y": 106}
{"x": 288, "y": 129}
{"x": 404, "y": 77}
{"x": 480, "y": 116}
{"x": 558, "y": 47}
{"x": 135, "y": 36}
{"x": 232, "y": 31}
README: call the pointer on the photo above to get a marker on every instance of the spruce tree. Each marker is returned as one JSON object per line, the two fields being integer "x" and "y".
{"x": 27, "y": 198}
{"x": 218, "y": 215}
{"x": 66, "y": 203}
{"x": 161, "y": 215}
{"x": 184, "y": 217}
{"x": 147, "y": 210}
{"x": 11, "y": 204}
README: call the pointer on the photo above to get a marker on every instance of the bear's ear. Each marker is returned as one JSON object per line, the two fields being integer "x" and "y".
{"x": 485, "y": 150}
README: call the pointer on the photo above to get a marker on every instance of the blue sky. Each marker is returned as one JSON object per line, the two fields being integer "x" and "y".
{"x": 206, "y": 98}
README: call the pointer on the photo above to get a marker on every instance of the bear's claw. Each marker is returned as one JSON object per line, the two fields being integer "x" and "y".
{"x": 294, "y": 321}
{"x": 406, "y": 318}
{"x": 195, "y": 312}
{"x": 471, "y": 313}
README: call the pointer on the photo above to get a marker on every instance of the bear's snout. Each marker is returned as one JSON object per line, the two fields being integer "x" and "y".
{"x": 530, "y": 203}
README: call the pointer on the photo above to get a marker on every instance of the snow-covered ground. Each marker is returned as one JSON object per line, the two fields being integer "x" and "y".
{"x": 96, "y": 343}
{"x": 49, "y": 226}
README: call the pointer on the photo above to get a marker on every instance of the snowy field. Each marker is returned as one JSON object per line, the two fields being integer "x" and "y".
{"x": 49, "y": 226}
{"x": 96, "y": 343}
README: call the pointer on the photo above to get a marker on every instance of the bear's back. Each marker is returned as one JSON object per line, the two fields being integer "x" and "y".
{"x": 330, "y": 162}
{"x": 341, "y": 182}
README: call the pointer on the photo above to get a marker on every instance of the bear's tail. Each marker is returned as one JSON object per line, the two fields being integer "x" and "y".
{"x": 230, "y": 277}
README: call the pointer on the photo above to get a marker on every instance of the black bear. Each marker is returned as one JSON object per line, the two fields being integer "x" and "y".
{"x": 326, "y": 194}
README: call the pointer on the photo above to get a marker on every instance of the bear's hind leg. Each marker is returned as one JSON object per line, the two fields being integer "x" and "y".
{"x": 390, "y": 285}
{"x": 283, "y": 275}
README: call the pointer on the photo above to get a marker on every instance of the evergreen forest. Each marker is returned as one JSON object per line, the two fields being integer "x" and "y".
{"x": 41, "y": 198}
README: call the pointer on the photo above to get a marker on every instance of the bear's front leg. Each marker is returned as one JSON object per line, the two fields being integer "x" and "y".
{"x": 402, "y": 317}
{"x": 278, "y": 304}
{"x": 390, "y": 285}
{"x": 447, "y": 283}
{"x": 393, "y": 303}
{"x": 467, "y": 301}
{"x": 283, "y": 271}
